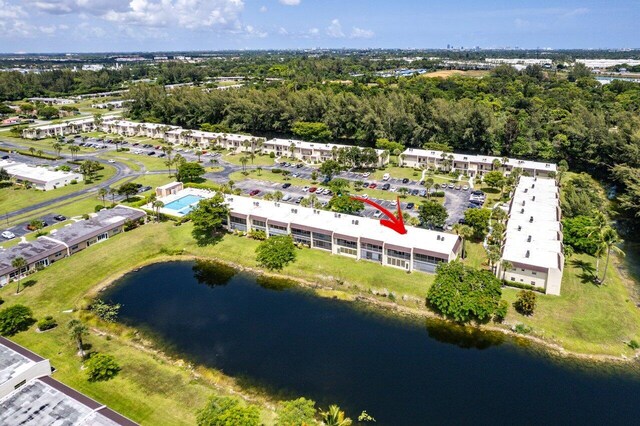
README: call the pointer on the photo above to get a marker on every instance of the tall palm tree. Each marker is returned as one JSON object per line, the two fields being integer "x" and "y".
{"x": 19, "y": 263}
{"x": 102, "y": 193}
{"x": 113, "y": 192}
{"x": 465, "y": 232}
{"x": 313, "y": 200}
{"x": 610, "y": 239}
{"x": 57, "y": 146}
{"x": 506, "y": 265}
{"x": 292, "y": 149}
{"x": 252, "y": 157}
{"x": 198, "y": 154}
{"x": 32, "y": 150}
{"x": 40, "y": 153}
{"x": 428, "y": 183}
{"x": 74, "y": 149}
{"x": 77, "y": 330}
{"x": 158, "y": 205}
{"x": 596, "y": 231}
{"x": 244, "y": 160}
{"x": 334, "y": 416}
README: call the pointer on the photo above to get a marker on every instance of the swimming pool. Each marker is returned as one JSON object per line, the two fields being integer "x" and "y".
{"x": 184, "y": 205}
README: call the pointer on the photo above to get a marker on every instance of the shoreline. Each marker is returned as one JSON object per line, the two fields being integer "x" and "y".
{"x": 552, "y": 349}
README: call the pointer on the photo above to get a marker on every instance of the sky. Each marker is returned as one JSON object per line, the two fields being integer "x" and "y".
{"x": 42, "y": 26}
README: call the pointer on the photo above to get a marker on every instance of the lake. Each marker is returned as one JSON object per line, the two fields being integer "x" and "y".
{"x": 275, "y": 336}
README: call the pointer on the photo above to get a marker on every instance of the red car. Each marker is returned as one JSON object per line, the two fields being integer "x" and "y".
{"x": 313, "y": 189}
{"x": 254, "y": 192}
{"x": 373, "y": 186}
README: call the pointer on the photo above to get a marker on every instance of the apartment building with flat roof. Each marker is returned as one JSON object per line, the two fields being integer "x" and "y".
{"x": 533, "y": 249}
{"x": 315, "y": 152}
{"x": 472, "y": 164}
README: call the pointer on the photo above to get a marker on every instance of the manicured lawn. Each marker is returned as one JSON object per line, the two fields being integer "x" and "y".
{"x": 150, "y": 162}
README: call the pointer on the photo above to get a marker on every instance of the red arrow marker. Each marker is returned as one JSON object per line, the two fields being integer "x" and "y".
{"x": 394, "y": 222}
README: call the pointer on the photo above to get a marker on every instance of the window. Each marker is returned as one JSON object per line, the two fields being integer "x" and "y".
{"x": 513, "y": 278}
{"x": 396, "y": 262}
{"x": 349, "y": 251}
{"x": 346, "y": 243}
{"x": 533, "y": 283}
{"x": 534, "y": 273}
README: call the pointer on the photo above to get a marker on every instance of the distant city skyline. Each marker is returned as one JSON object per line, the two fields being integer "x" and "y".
{"x": 43, "y": 26}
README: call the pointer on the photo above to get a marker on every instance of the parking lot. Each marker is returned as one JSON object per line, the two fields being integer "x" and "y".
{"x": 21, "y": 230}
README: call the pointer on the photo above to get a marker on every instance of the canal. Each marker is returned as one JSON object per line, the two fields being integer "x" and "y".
{"x": 270, "y": 334}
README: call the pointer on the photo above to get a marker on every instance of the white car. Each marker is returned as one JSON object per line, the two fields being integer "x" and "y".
{"x": 8, "y": 235}
{"x": 365, "y": 196}
{"x": 394, "y": 203}
{"x": 112, "y": 161}
{"x": 377, "y": 214}
{"x": 366, "y": 174}
{"x": 305, "y": 189}
{"x": 386, "y": 176}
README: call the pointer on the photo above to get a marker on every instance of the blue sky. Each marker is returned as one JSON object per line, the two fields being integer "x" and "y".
{"x": 130, "y": 25}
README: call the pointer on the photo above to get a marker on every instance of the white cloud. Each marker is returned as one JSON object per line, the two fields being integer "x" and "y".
{"x": 290, "y": 2}
{"x": 283, "y": 31}
{"x": 361, "y": 33}
{"x": 314, "y": 31}
{"x": 576, "y": 12}
{"x": 335, "y": 29}
{"x": 263, "y": 9}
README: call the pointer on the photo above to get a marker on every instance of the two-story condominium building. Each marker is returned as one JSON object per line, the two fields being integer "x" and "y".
{"x": 205, "y": 140}
{"x": 315, "y": 152}
{"x": 472, "y": 165}
{"x": 353, "y": 236}
{"x": 132, "y": 128}
{"x": 532, "y": 253}
{"x": 59, "y": 129}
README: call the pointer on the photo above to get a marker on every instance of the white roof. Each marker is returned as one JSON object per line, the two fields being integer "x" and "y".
{"x": 481, "y": 159}
{"x": 534, "y": 232}
{"x": 211, "y": 135}
{"x": 34, "y": 173}
{"x": 349, "y": 225}
{"x": 311, "y": 145}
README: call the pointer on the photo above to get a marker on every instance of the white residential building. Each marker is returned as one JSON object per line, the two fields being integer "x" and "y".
{"x": 59, "y": 129}
{"x": 357, "y": 237}
{"x": 472, "y": 165}
{"x": 533, "y": 240}
{"x": 316, "y": 152}
{"x": 52, "y": 101}
{"x": 39, "y": 177}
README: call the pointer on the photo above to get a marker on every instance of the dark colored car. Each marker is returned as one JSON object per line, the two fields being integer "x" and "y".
{"x": 386, "y": 187}
{"x": 151, "y": 153}
{"x": 326, "y": 180}
{"x": 59, "y": 218}
{"x": 373, "y": 186}
{"x": 405, "y": 180}
{"x": 299, "y": 166}
{"x": 286, "y": 185}
{"x": 254, "y": 192}
{"x": 162, "y": 154}
{"x": 313, "y": 189}
{"x": 5, "y": 157}
{"x": 415, "y": 191}
{"x": 365, "y": 185}
{"x": 410, "y": 206}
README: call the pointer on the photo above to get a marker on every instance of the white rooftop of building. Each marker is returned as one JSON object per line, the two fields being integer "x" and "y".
{"x": 534, "y": 231}
{"x": 211, "y": 135}
{"x": 310, "y": 145}
{"x": 481, "y": 159}
{"x": 35, "y": 173}
{"x": 344, "y": 224}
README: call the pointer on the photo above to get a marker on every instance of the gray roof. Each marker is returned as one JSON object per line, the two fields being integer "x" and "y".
{"x": 11, "y": 363}
{"x": 104, "y": 221}
{"x": 31, "y": 252}
{"x": 45, "y": 401}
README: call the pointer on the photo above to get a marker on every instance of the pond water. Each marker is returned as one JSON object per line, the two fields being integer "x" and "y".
{"x": 272, "y": 335}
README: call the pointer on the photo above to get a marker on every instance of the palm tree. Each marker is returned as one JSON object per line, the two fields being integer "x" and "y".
{"x": 493, "y": 255}
{"x": 600, "y": 224}
{"x": 610, "y": 239}
{"x": 259, "y": 169}
{"x": 305, "y": 202}
{"x": 244, "y": 160}
{"x": 19, "y": 263}
{"x": 252, "y": 157}
{"x": 313, "y": 200}
{"x": 57, "y": 146}
{"x": 77, "y": 330}
{"x": 334, "y": 416}
{"x": 292, "y": 148}
{"x": 198, "y": 154}
{"x": 465, "y": 232}
{"x": 40, "y": 153}
{"x": 506, "y": 265}
{"x": 113, "y": 192}
{"x": 277, "y": 196}
{"x": 158, "y": 205}
{"x": 74, "y": 150}
{"x": 32, "y": 150}
{"x": 428, "y": 183}
{"x": 102, "y": 193}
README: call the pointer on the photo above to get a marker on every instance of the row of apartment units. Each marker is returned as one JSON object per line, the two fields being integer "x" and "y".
{"x": 30, "y": 396}
{"x": 313, "y": 152}
{"x": 532, "y": 250}
{"x": 472, "y": 165}
{"x": 65, "y": 241}
{"x": 357, "y": 237}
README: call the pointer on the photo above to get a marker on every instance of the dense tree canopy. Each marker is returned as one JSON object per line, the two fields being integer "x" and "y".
{"x": 208, "y": 218}
{"x": 227, "y": 411}
{"x": 276, "y": 252}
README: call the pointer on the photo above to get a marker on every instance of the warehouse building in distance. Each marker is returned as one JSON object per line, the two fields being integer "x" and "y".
{"x": 533, "y": 249}
{"x": 42, "y": 178}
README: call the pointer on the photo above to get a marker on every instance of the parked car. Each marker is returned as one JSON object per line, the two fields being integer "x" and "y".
{"x": 254, "y": 192}
{"x": 450, "y": 186}
{"x": 385, "y": 187}
{"x": 458, "y": 188}
{"x": 299, "y": 166}
{"x": 465, "y": 188}
{"x": 386, "y": 176}
{"x": 286, "y": 197}
{"x": 151, "y": 153}
{"x": 365, "y": 196}
{"x": 422, "y": 193}
{"x": 286, "y": 185}
{"x": 443, "y": 185}
{"x": 162, "y": 154}
{"x": 410, "y": 206}
{"x": 326, "y": 180}
{"x": 365, "y": 185}
{"x": 421, "y": 183}
{"x": 366, "y": 175}
{"x": 373, "y": 186}
{"x": 305, "y": 189}
{"x": 474, "y": 206}
{"x": 299, "y": 199}
{"x": 60, "y": 217}
{"x": 405, "y": 180}
{"x": 377, "y": 214}
{"x": 5, "y": 157}
{"x": 415, "y": 192}
{"x": 313, "y": 189}
{"x": 8, "y": 235}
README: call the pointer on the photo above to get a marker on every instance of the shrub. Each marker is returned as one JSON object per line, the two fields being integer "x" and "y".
{"x": 47, "y": 323}
{"x": 98, "y": 207}
{"x": 522, "y": 329}
{"x": 438, "y": 194}
{"x": 226, "y": 411}
{"x": 633, "y": 344}
{"x": 258, "y": 235}
{"x": 85, "y": 216}
{"x": 272, "y": 155}
{"x": 105, "y": 311}
{"x": 501, "y": 311}
{"x": 74, "y": 182}
{"x": 15, "y": 319}
{"x": 299, "y": 411}
{"x": 276, "y": 170}
{"x": 276, "y": 252}
{"x": 525, "y": 302}
{"x": 101, "y": 367}
{"x": 1, "y": 300}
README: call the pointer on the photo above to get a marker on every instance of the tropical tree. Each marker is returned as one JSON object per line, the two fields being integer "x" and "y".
{"x": 74, "y": 149}
{"x": 198, "y": 154}
{"x": 610, "y": 240}
{"x": 277, "y": 196}
{"x": 77, "y": 330}
{"x": 297, "y": 412}
{"x": 19, "y": 263}
{"x": 525, "y": 302}
{"x": 313, "y": 200}
{"x": 15, "y": 319}
{"x": 334, "y": 416}
{"x": 244, "y": 160}
{"x": 276, "y": 252}
{"x": 40, "y": 153}
{"x": 32, "y": 150}
{"x": 57, "y": 147}
{"x": 157, "y": 205}
{"x": 102, "y": 193}
{"x": 465, "y": 232}
{"x": 428, "y": 184}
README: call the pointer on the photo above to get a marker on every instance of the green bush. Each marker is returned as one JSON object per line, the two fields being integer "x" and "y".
{"x": 47, "y": 323}
{"x": 501, "y": 311}
{"x": 525, "y": 302}
{"x": 272, "y": 155}
{"x": 15, "y": 319}
{"x": 438, "y": 194}
{"x": 276, "y": 170}
{"x": 101, "y": 367}
{"x": 98, "y": 207}
{"x": 258, "y": 235}
{"x": 74, "y": 182}
{"x": 226, "y": 411}
{"x": 276, "y": 252}
{"x": 522, "y": 329}
{"x": 633, "y": 344}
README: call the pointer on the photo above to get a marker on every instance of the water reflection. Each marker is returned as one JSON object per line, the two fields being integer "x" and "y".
{"x": 461, "y": 336}
{"x": 212, "y": 274}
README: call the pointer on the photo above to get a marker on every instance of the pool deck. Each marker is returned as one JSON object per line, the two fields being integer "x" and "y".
{"x": 202, "y": 193}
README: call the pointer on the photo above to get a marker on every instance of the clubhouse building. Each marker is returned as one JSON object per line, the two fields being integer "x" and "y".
{"x": 39, "y": 177}
{"x": 532, "y": 251}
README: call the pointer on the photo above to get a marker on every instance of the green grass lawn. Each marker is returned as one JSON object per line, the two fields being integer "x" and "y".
{"x": 134, "y": 161}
